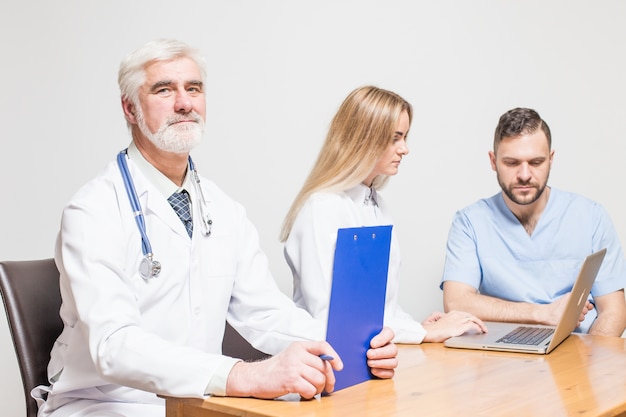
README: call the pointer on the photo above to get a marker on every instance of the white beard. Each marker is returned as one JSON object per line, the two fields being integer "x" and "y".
{"x": 174, "y": 137}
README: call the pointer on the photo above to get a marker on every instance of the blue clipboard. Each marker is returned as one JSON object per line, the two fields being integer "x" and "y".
{"x": 357, "y": 301}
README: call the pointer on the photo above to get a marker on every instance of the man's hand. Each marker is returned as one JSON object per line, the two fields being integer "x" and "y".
{"x": 296, "y": 370}
{"x": 554, "y": 311}
{"x": 382, "y": 357}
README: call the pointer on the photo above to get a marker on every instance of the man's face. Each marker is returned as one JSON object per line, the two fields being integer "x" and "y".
{"x": 522, "y": 164}
{"x": 172, "y": 105}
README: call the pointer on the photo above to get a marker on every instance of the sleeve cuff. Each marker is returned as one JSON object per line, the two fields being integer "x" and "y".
{"x": 217, "y": 384}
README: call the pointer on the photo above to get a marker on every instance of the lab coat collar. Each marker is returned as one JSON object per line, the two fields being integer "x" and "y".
{"x": 363, "y": 195}
{"x": 152, "y": 199}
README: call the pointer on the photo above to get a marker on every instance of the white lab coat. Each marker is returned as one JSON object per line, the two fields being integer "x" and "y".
{"x": 310, "y": 248}
{"x": 126, "y": 338}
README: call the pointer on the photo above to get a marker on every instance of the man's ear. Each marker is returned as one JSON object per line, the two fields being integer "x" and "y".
{"x": 129, "y": 111}
{"x": 492, "y": 160}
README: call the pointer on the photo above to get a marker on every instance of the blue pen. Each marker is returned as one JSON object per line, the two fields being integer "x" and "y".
{"x": 326, "y": 357}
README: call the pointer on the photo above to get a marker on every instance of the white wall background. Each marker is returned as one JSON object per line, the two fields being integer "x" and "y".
{"x": 278, "y": 70}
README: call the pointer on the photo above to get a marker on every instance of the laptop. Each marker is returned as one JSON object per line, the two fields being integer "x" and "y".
{"x": 536, "y": 338}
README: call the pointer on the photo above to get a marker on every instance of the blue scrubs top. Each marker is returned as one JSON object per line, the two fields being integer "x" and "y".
{"x": 489, "y": 249}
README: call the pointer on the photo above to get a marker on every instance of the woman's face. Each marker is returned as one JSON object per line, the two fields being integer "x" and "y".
{"x": 389, "y": 161}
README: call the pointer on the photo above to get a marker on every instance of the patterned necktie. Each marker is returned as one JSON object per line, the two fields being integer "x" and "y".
{"x": 180, "y": 204}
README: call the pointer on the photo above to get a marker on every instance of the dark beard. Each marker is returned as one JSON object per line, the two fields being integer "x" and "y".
{"x": 513, "y": 198}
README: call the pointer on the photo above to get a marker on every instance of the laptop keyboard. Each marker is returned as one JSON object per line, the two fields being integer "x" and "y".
{"x": 526, "y": 335}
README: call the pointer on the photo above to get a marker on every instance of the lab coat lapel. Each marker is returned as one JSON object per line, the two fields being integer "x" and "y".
{"x": 156, "y": 207}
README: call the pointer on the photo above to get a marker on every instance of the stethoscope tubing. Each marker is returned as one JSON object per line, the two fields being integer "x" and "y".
{"x": 150, "y": 268}
{"x": 134, "y": 203}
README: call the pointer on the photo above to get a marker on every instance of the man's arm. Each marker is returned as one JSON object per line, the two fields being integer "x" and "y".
{"x": 611, "y": 320}
{"x": 300, "y": 370}
{"x": 464, "y": 297}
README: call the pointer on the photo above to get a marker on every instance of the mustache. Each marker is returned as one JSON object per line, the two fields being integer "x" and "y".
{"x": 526, "y": 183}
{"x": 192, "y": 116}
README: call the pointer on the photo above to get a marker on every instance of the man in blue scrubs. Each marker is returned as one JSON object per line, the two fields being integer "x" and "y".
{"x": 515, "y": 256}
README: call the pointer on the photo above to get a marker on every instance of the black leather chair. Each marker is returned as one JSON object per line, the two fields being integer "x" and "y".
{"x": 234, "y": 345}
{"x": 31, "y": 298}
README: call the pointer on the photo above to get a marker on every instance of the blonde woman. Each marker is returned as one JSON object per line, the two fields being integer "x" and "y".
{"x": 364, "y": 147}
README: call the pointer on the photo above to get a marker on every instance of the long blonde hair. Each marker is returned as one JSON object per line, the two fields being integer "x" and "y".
{"x": 359, "y": 133}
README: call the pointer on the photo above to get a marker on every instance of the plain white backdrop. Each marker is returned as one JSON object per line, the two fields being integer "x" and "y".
{"x": 278, "y": 71}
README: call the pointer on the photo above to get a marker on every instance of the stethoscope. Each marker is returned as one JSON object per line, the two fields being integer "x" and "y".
{"x": 149, "y": 267}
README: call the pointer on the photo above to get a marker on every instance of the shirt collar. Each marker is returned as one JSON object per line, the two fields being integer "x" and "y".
{"x": 361, "y": 194}
{"x": 165, "y": 186}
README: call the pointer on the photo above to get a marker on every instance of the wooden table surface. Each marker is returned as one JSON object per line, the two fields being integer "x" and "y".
{"x": 584, "y": 376}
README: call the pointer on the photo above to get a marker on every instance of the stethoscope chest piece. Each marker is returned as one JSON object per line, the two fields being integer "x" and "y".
{"x": 149, "y": 268}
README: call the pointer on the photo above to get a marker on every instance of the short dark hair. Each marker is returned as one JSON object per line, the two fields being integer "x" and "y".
{"x": 520, "y": 121}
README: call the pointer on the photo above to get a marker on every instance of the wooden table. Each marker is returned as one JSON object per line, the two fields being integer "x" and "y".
{"x": 585, "y": 376}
